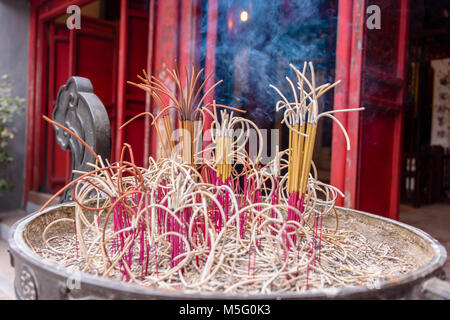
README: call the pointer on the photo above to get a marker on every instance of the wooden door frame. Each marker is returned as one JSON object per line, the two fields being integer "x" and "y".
{"x": 210, "y": 58}
{"x": 350, "y": 49}
{"x": 51, "y": 95}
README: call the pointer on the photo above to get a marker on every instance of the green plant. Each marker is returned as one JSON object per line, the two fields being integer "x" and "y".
{"x": 9, "y": 108}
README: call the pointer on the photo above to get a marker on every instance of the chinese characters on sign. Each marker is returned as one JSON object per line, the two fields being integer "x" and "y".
{"x": 440, "y": 126}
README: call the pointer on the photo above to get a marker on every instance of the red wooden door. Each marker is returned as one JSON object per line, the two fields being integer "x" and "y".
{"x": 89, "y": 52}
{"x": 94, "y": 56}
{"x": 372, "y": 64}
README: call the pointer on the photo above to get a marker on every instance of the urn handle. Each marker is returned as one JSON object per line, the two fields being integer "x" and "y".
{"x": 80, "y": 110}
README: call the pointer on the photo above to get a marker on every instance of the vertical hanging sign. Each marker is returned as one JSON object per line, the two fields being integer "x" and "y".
{"x": 440, "y": 125}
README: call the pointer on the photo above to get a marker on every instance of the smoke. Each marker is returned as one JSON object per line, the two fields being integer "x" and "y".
{"x": 252, "y": 54}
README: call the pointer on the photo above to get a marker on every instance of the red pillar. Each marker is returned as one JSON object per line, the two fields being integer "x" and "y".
{"x": 121, "y": 76}
{"x": 343, "y": 54}
{"x": 210, "y": 61}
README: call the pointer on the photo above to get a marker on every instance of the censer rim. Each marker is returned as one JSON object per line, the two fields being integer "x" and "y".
{"x": 19, "y": 247}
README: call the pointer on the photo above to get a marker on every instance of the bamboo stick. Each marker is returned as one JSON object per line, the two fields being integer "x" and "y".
{"x": 294, "y": 158}
{"x": 291, "y": 169}
{"x": 309, "y": 150}
{"x": 299, "y": 156}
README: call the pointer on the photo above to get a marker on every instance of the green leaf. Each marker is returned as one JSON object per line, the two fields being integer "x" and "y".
{"x": 10, "y": 107}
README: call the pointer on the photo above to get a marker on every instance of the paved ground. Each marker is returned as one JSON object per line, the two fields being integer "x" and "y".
{"x": 433, "y": 219}
{"x": 7, "y": 219}
{"x": 6, "y": 273}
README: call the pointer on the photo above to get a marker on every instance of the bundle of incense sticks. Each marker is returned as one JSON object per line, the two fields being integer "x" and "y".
{"x": 187, "y": 100}
{"x": 301, "y": 117}
{"x": 200, "y": 217}
{"x": 224, "y": 147}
